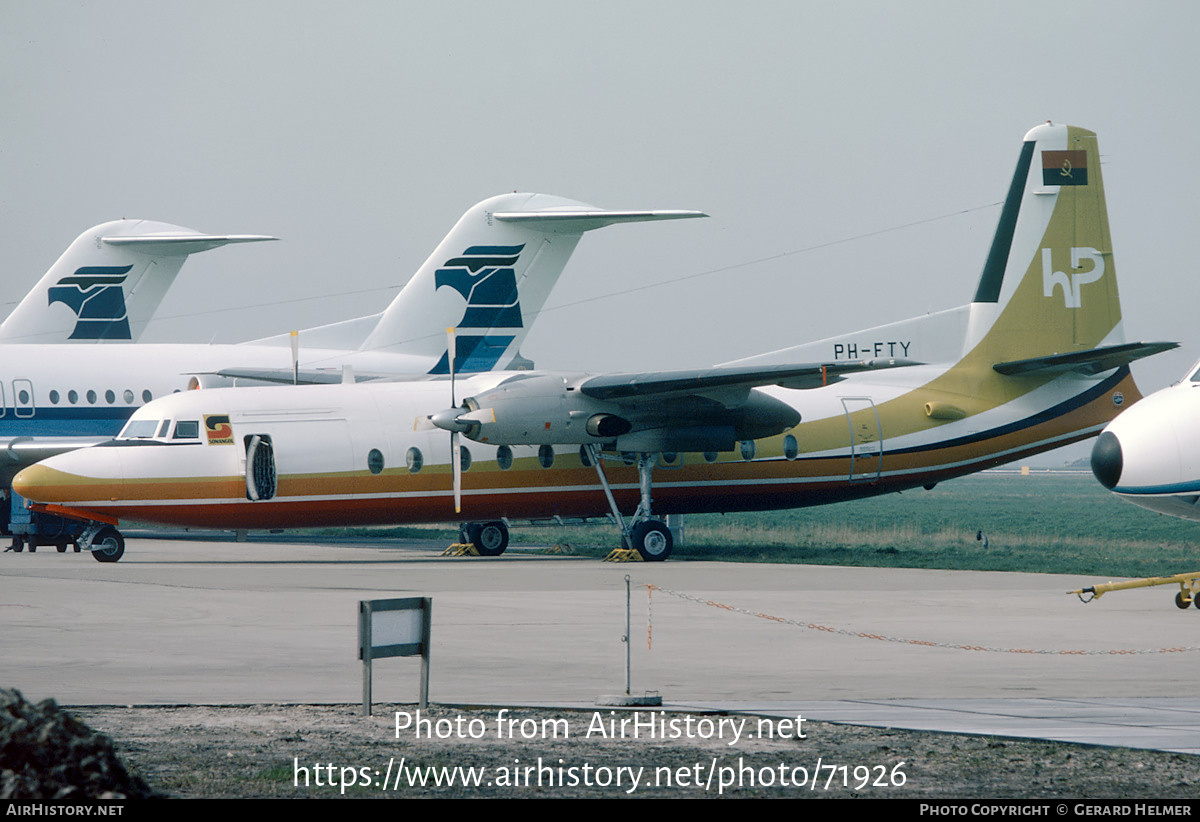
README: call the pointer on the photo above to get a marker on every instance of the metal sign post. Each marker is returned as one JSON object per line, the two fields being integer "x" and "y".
{"x": 394, "y": 627}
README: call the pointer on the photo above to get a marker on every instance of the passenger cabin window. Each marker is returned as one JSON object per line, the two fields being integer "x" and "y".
{"x": 187, "y": 430}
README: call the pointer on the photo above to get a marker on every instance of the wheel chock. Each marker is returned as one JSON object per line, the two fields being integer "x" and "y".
{"x": 624, "y": 555}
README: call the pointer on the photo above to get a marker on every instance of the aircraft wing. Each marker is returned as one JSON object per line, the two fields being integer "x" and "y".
{"x": 705, "y": 410}
{"x": 1092, "y": 361}
{"x": 617, "y": 387}
{"x": 285, "y": 376}
{"x": 18, "y": 452}
{"x": 28, "y": 450}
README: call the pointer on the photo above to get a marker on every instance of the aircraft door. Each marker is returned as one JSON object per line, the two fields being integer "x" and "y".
{"x": 866, "y": 439}
{"x": 23, "y": 403}
{"x": 260, "y": 467}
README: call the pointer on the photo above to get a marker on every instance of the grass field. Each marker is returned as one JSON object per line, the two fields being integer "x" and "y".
{"x": 1060, "y": 522}
{"x": 1043, "y": 522}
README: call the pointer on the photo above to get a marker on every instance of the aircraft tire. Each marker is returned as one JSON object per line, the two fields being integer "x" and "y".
{"x": 109, "y": 545}
{"x": 1182, "y": 602}
{"x": 652, "y": 539}
{"x": 61, "y": 547}
{"x": 18, "y": 545}
{"x": 490, "y": 538}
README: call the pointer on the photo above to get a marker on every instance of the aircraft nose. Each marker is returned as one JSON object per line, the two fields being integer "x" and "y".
{"x": 35, "y": 482}
{"x": 1107, "y": 460}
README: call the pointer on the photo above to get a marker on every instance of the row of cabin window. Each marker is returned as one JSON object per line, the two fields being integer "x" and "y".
{"x": 504, "y": 456}
{"x": 92, "y": 397}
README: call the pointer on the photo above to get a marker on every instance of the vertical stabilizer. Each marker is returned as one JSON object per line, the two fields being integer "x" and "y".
{"x": 489, "y": 278}
{"x": 1049, "y": 285}
{"x": 108, "y": 283}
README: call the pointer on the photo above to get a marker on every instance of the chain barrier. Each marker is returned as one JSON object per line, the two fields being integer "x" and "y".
{"x": 905, "y": 641}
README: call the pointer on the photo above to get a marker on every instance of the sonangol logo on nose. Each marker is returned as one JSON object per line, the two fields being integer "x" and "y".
{"x": 94, "y": 293}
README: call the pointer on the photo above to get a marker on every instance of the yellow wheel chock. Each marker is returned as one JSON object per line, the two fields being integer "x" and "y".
{"x": 624, "y": 555}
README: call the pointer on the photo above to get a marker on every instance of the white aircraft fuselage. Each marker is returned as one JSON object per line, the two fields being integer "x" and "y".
{"x": 1150, "y": 454}
{"x": 1037, "y": 360}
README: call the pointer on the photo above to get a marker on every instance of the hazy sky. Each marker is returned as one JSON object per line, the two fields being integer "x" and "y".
{"x": 815, "y": 134}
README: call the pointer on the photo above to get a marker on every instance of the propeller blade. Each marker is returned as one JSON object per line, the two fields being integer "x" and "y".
{"x": 423, "y": 424}
{"x": 456, "y": 459}
{"x": 450, "y": 355}
{"x": 448, "y": 420}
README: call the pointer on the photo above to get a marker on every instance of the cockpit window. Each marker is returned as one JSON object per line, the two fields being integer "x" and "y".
{"x": 164, "y": 428}
{"x": 139, "y": 430}
{"x": 187, "y": 430}
{"x": 1195, "y": 375}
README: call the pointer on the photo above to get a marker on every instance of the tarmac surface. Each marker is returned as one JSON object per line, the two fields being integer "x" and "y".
{"x": 192, "y": 621}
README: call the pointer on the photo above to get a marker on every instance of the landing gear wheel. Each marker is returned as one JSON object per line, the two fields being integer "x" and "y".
{"x": 490, "y": 538}
{"x": 1182, "y": 602}
{"x": 652, "y": 539}
{"x": 108, "y": 545}
{"x": 18, "y": 545}
{"x": 61, "y": 547}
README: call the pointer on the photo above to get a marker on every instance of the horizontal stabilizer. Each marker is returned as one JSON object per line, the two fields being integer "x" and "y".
{"x": 182, "y": 244}
{"x": 808, "y": 375}
{"x": 576, "y": 221}
{"x": 1092, "y": 361}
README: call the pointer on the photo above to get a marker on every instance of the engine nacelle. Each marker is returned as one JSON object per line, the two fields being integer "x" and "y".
{"x": 549, "y": 410}
{"x": 540, "y": 410}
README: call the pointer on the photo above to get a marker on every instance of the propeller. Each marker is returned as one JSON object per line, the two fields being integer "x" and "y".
{"x": 455, "y": 448}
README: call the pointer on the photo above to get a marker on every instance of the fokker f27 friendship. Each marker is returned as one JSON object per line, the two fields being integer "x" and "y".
{"x": 1037, "y": 360}
{"x": 490, "y": 276}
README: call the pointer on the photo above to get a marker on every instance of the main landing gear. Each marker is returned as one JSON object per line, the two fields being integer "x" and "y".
{"x": 489, "y": 538}
{"x": 648, "y": 536}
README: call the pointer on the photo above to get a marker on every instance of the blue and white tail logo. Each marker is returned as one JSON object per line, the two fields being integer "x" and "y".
{"x": 95, "y": 294}
{"x": 484, "y": 275}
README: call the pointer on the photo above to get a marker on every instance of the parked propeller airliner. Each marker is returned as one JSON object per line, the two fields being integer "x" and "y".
{"x": 490, "y": 276}
{"x": 1036, "y": 361}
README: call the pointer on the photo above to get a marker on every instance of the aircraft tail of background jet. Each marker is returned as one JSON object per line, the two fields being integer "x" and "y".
{"x": 108, "y": 283}
{"x": 490, "y": 277}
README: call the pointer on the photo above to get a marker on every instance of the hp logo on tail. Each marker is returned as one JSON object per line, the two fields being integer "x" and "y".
{"x": 1071, "y": 284}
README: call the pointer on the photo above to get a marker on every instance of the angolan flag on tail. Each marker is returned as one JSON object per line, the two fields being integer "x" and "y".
{"x": 1064, "y": 168}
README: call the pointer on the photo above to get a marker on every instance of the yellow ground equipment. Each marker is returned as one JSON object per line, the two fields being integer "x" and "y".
{"x": 1189, "y": 588}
